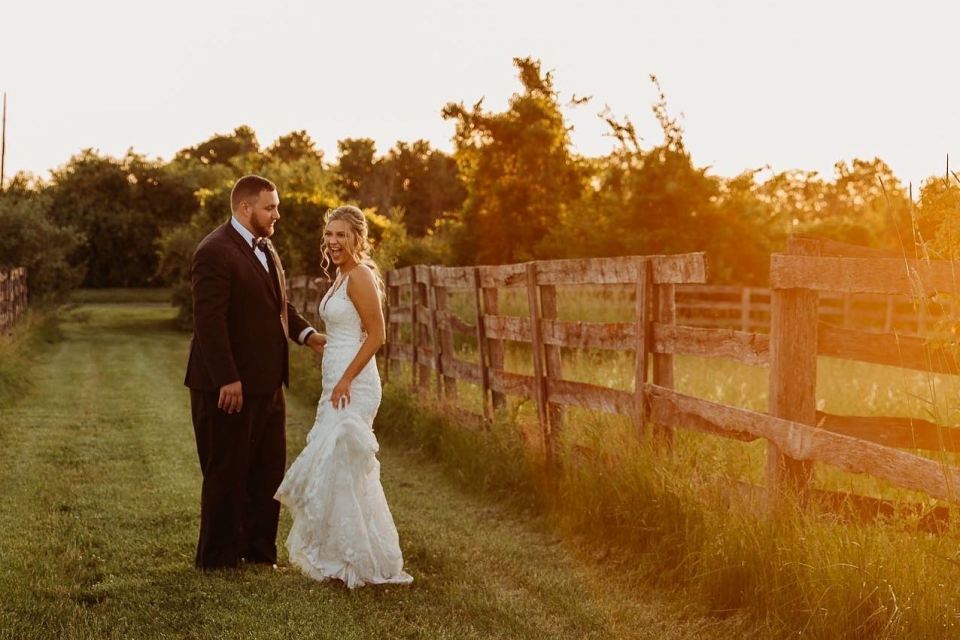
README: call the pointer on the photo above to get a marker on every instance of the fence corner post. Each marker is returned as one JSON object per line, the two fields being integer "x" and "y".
{"x": 793, "y": 384}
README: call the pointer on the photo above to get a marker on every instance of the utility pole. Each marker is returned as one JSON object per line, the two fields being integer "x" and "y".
{"x": 3, "y": 142}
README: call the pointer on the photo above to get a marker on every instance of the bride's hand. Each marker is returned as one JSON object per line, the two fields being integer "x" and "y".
{"x": 340, "y": 394}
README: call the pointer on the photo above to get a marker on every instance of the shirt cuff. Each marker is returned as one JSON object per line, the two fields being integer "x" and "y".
{"x": 302, "y": 338}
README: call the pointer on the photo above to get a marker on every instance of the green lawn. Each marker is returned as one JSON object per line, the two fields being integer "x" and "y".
{"x": 99, "y": 514}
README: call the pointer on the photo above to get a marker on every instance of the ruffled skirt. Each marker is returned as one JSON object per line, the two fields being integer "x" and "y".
{"x": 342, "y": 526}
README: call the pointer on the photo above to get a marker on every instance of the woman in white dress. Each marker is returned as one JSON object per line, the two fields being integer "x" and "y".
{"x": 342, "y": 526}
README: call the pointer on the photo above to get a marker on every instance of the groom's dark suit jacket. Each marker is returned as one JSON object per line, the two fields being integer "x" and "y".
{"x": 241, "y": 317}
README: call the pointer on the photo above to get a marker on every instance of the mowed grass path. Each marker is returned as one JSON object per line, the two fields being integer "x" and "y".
{"x": 99, "y": 491}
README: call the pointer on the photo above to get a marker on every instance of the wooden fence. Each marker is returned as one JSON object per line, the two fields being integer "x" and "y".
{"x": 797, "y": 434}
{"x": 748, "y": 309}
{"x": 13, "y": 297}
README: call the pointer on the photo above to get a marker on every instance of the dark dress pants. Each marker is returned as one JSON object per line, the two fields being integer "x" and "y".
{"x": 242, "y": 458}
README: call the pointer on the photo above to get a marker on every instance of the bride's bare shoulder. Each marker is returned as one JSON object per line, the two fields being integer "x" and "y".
{"x": 362, "y": 280}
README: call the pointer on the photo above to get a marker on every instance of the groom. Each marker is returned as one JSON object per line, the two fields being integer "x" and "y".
{"x": 236, "y": 372}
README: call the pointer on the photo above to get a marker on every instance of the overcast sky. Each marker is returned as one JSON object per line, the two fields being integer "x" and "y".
{"x": 779, "y": 84}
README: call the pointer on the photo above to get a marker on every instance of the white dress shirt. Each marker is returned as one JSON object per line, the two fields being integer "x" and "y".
{"x": 248, "y": 237}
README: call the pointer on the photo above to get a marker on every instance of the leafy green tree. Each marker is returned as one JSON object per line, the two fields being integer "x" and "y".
{"x": 32, "y": 239}
{"x": 120, "y": 206}
{"x": 223, "y": 148}
{"x": 520, "y": 174}
{"x": 357, "y": 169}
{"x": 293, "y": 147}
{"x": 426, "y": 185}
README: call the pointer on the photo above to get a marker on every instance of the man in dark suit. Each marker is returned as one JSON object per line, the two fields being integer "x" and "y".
{"x": 236, "y": 372}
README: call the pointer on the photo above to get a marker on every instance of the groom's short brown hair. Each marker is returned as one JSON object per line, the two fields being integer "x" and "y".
{"x": 249, "y": 187}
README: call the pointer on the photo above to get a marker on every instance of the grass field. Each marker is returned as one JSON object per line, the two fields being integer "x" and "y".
{"x": 99, "y": 514}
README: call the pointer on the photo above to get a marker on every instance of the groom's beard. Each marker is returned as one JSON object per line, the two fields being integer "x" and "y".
{"x": 262, "y": 231}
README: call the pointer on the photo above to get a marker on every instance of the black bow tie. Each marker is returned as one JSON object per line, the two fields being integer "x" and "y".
{"x": 260, "y": 243}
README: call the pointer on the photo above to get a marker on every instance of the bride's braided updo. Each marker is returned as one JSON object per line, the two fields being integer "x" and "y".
{"x": 360, "y": 250}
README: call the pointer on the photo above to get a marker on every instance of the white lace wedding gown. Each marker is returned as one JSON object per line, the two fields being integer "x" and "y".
{"x": 342, "y": 526}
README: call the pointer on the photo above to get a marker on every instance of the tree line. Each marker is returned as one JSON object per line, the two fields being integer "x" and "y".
{"x": 512, "y": 190}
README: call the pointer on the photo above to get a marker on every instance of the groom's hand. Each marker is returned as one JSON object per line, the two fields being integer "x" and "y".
{"x": 317, "y": 341}
{"x": 231, "y": 397}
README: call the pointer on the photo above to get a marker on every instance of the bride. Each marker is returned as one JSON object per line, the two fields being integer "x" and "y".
{"x": 342, "y": 526}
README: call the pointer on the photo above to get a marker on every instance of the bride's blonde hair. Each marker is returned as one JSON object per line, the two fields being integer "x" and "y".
{"x": 361, "y": 244}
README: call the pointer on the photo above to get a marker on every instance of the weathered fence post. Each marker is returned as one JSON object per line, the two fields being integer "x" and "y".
{"x": 643, "y": 289}
{"x": 423, "y": 325}
{"x": 482, "y": 345}
{"x": 445, "y": 340}
{"x": 745, "y": 309}
{"x": 5, "y": 307}
{"x": 539, "y": 377}
{"x": 491, "y": 307}
{"x": 793, "y": 381}
{"x": 392, "y": 302}
{"x": 553, "y": 360}
{"x": 434, "y": 332}
{"x": 664, "y": 312}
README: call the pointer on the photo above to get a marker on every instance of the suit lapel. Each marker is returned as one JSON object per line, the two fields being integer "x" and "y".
{"x": 247, "y": 251}
{"x": 281, "y": 282}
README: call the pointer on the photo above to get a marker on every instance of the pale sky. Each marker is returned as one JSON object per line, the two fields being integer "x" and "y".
{"x": 784, "y": 84}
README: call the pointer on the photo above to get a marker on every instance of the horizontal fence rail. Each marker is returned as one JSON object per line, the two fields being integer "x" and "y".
{"x": 748, "y": 309}
{"x": 13, "y": 297}
{"x": 808, "y": 313}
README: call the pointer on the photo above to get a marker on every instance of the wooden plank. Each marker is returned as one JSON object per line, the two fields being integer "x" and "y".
{"x": 745, "y": 309}
{"x": 684, "y": 268}
{"x": 508, "y": 328}
{"x": 425, "y": 313}
{"x": 916, "y": 278}
{"x": 664, "y": 314}
{"x": 400, "y": 315}
{"x": 673, "y": 269}
{"x": 666, "y": 410}
{"x": 422, "y": 274}
{"x": 482, "y": 346}
{"x": 538, "y": 366}
{"x": 399, "y": 277}
{"x": 390, "y": 310}
{"x": 507, "y": 275}
{"x": 616, "y": 336}
{"x": 416, "y": 371}
{"x": 400, "y": 351}
{"x": 725, "y": 323}
{"x": 454, "y": 368}
{"x": 426, "y": 361}
{"x": 455, "y": 277}
{"x": 902, "y": 433}
{"x": 792, "y": 383}
{"x": 448, "y": 321}
{"x": 803, "y": 442}
{"x": 803, "y": 244}
{"x": 552, "y": 356}
{"x": 643, "y": 292}
{"x": 515, "y": 384}
{"x": 908, "y": 352}
{"x": 466, "y": 418}
{"x": 591, "y": 396}
{"x": 748, "y": 348}
{"x": 442, "y": 342}
{"x": 491, "y": 307}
